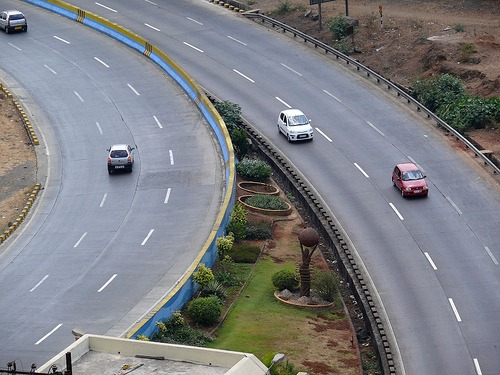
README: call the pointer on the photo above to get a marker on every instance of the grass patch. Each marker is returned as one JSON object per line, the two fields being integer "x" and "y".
{"x": 243, "y": 253}
{"x": 259, "y": 324}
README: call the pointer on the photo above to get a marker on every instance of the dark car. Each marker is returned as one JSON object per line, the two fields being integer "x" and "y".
{"x": 410, "y": 180}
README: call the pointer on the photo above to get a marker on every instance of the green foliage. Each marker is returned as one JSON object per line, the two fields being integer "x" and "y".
{"x": 142, "y": 338}
{"x": 240, "y": 142}
{"x": 253, "y": 170}
{"x": 176, "y": 331}
{"x": 459, "y": 28}
{"x": 230, "y": 113}
{"x": 224, "y": 244}
{"x": 471, "y": 112}
{"x": 337, "y": 26}
{"x": 205, "y": 311}
{"x": 214, "y": 288}
{"x": 268, "y": 202}
{"x": 325, "y": 285}
{"x": 446, "y": 97}
{"x": 226, "y": 273}
{"x": 285, "y": 279}
{"x": 437, "y": 91}
{"x": 203, "y": 276}
{"x": 344, "y": 46}
{"x": 238, "y": 222}
{"x": 242, "y": 253}
{"x": 261, "y": 230}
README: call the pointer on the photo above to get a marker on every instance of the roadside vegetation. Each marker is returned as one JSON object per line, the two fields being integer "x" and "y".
{"x": 443, "y": 94}
{"x": 235, "y": 307}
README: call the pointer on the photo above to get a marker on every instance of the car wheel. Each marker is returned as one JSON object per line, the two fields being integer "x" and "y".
{"x": 288, "y": 137}
{"x": 26, "y": 28}
{"x": 279, "y": 129}
{"x": 110, "y": 171}
{"x": 393, "y": 183}
{"x": 402, "y": 193}
{"x": 6, "y": 30}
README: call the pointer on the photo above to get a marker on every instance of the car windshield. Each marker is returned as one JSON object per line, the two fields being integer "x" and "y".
{"x": 412, "y": 175}
{"x": 298, "y": 120}
{"x": 16, "y": 17}
{"x": 119, "y": 154}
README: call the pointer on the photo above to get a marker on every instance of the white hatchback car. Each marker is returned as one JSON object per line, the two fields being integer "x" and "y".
{"x": 295, "y": 125}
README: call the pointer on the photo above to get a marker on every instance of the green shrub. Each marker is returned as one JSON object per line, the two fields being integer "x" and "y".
{"x": 471, "y": 112}
{"x": 240, "y": 142}
{"x": 238, "y": 222}
{"x": 337, "y": 26}
{"x": 268, "y": 202}
{"x": 261, "y": 230}
{"x": 325, "y": 285}
{"x": 253, "y": 170}
{"x": 446, "y": 97}
{"x": 459, "y": 28}
{"x": 285, "y": 279}
{"x": 242, "y": 253}
{"x": 205, "y": 311}
{"x": 230, "y": 113}
{"x": 226, "y": 274}
{"x": 224, "y": 244}
{"x": 176, "y": 331}
{"x": 214, "y": 288}
{"x": 203, "y": 276}
{"x": 437, "y": 91}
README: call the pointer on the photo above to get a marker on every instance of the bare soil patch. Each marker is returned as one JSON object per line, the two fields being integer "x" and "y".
{"x": 17, "y": 163}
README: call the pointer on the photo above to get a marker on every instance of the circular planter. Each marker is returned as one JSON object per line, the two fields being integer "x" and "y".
{"x": 258, "y": 188}
{"x": 264, "y": 211}
{"x": 297, "y": 303}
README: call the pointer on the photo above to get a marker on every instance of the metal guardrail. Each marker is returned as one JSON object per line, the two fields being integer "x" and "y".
{"x": 370, "y": 73}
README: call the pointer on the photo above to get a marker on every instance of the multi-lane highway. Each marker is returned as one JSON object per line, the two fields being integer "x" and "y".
{"x": 434, "y": 261}
{"x": 100, "y": 250}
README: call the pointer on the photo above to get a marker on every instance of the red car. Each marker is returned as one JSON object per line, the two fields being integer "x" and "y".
{"x": 409, "y": 179}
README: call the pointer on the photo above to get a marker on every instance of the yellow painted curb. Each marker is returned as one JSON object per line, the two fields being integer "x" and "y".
{"x": 27, "y": 125}
{"x": 20, "y": 218}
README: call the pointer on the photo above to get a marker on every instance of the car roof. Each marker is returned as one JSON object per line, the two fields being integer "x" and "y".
{"x": 121, "y": 146}
{"x": 292, "y": 112}
{"x": 13, "y": 11}
{"x": 407, "y": 166}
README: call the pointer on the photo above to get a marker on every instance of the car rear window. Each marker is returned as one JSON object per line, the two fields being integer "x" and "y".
{"x": 119, "y": 154}
{"x": 16, "y": 17}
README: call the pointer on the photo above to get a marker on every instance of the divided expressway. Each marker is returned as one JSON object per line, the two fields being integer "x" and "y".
{"x": 433, "y": 262}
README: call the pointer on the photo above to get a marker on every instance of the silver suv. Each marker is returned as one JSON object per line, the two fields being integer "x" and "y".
{"x": 120, "y": 157}
{"x": 13, "y": 20}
